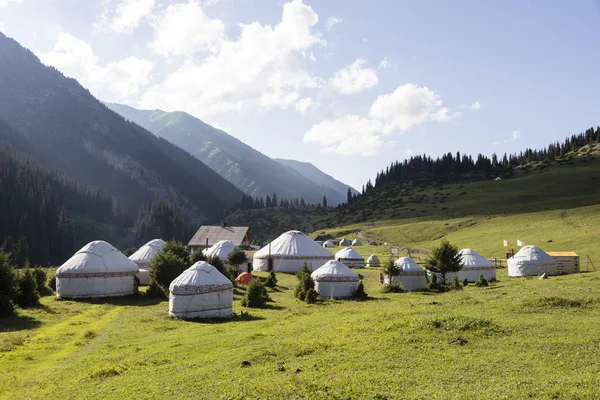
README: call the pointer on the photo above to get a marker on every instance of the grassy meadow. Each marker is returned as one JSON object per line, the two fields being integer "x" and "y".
{"x": 526, "y": 338}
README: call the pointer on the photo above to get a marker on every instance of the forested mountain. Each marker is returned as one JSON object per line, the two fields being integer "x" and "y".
{"x": 248, "y": 169}
{"x": 41, "y": 212}
{"x": 82, "y": 138}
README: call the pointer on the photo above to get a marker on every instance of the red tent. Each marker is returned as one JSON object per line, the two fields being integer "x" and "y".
{"x": 244, "y": 278}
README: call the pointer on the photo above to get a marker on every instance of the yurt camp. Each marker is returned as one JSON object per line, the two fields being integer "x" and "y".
{"x": 350, "y": 257}
{"x": 474, "y": 264}
{"x": 531, "y": 260}
{"x": 220, "y": 249}
{"x": 335, "y": 280}
{"x": 328, "y": 243}
{"x": 97, "y": 270}
{"x": 289, "y": 252}
{"x": 345, "y": 242}
{"x": 143, "y": 256}
{"x": 201, "y": 291}
{"x": 411, "y": 275}
{"x": 373, "y": 261}
{"x": 357, "y": 242}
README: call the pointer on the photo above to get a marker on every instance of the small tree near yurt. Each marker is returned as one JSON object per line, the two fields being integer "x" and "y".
{"x": 237, "y": 257}
{"x": 197, "y": 256}
{"x": 129, "y": 251}
{"x": 444, "y": 258}
{"x": 164, "y": 268}
{"x": 216, "y": 262}
{"x": 481, "y": 281}
{"x": 271, "y": 279}
{"x": 256, "y": 295}
{"x": 26, "y": 294}
{"x": 456, "y": 285}
{"x": 390, "y": 269}
{"x": 360, "y": 293}
{"x": 178, "y": 249}
{"x": 7, "y": 290}
{"x": 41, "y": 280}
{"x": 305, "y": 283}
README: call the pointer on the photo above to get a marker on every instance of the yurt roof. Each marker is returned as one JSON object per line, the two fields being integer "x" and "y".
{"x": 348, "y": 253}
{"x": 472, "y": 259}
{"x": 200, "y": 278}
{"x": 356, "y": 241}
{"x": 294, "y": 244}
{"x": 532, "y": 254}
{"x": 148, "y": 251}
{"x": 334, "y": 271}
{"x": 328, "y": 243}
{"x": 373, "y": 257}
{"x": 219, "y": 248}
{"x": 407, "y": 264}
{"x": 97, "y": 257}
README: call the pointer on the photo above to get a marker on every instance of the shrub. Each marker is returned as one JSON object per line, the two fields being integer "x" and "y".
{"x": 256, "y": 295}
{"x": 481, "y": 281}
{"x": 456, "y": 283}
{"x": 177, "y": 249}
{"x": 465, "y": 282}
{"x": 393, "y": 288}
{"x": 230, "y": 273}
{"x": 432, "y": 285}
{"x": 360, "y": 293}
{"x": 7, "y": 281}
{"x": 311, "y": 296}
{"x": 391, "y": 269}
{"x": 129, "y": 251}
{"x": 27, "y": 294}
{"x": 271, "y": 280}
{"x": 164, "y": 268}
{"x": 52, "y": 279}
{"x": 237, "y": 257}
{"x": 41, "y": 279}
{"x": 197, "y": 256}
{"x": 444, "y": 258}
{"x": 305, "y": 283}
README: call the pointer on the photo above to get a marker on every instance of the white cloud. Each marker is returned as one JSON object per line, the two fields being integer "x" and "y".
{"x": 331, "y": 22}
{"x": 116, "y": 81}
{"x": 124, "y": 16}
{"x": 475, "y": 105}
{"x": 1, "y": 27}
{"x": 384, "y": 64}
{"x": 184, "y": 29}
{"x": 409, "y": 152}
{"x": 354, "y": 78}
{"x": 408, "y": 106}
{"x": 263, "y": 67}
{"x": 5, "y": 3}
{"x": 514, "y": 135}
{"x": 304, "y": 104}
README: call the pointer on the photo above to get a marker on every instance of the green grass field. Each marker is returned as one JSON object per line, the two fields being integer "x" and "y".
{"x": 527, "y": 338}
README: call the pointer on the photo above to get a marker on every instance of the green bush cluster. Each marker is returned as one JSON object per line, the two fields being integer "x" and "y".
{"x": 360, "y": 293}
{"x": 305, "y": 290}
{"x": 271, "y": 279}
{"x": 256, "y": 295}
{"x": 481, "y": 281}
{"x": 167, "y": 265}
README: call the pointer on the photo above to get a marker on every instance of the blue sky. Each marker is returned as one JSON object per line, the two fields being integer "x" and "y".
{"x": 347, "y": 85}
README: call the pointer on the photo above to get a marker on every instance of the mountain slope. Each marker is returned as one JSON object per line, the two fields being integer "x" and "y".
{"x": 248, "y": 169}
{"x": 82, "y": 138}
{"x": 313, "y": 173}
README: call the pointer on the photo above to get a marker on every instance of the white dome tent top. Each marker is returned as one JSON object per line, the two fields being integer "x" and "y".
{"x": 345, "y": 242}
{"x": 328, "y": 243}
{"x": 350, "y": 257}
{"x": 146, "y": 253}
{"x": 290, "y": 251}
{"x": 532, "y": 253}
{"x": 409, "y": 267}
{"x": 531, "y": 260}
{"x": 220, "y": 249}
{"x": 200, "y": 278}
{"x": 95, "y": 260}
{"x": 373, "y": 261}
{"x": 357, "y": 242}
{"x": 334, "y": 271}
{"x": 473, "y": 260}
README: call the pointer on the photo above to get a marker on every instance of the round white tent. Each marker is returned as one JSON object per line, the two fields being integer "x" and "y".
{"x": 373, "y": 261}
{"x": 345, "y": 242}
{"x": 290, "y": 251}
{"x": 143, "y": 256}
{"x": 220, "y": 249}
{"x": 335, "y": 280}
{"x": 97, "y": 270}
{"x": 357, "y": 242}
{"x": 411, "y": 276}
{"x": 531, "y": 260}
{"x": 474, "y": 264}
{"x": 350, "y": 257}
{"x": 328, "y": 243}
{"x": 201, "y": 292}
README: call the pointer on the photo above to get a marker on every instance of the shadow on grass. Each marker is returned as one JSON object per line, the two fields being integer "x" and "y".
{"x": 136, "y": 300}
{"x": 243, "y": 317}
{"x": 18, "y": 323}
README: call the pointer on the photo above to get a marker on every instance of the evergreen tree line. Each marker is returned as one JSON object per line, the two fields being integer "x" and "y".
{"x": 158, "y": 220}
{"x": 259, "y": 203}
{"x": 460, "y": 167}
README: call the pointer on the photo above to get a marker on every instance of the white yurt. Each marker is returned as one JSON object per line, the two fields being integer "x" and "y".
{"x": 350, "y": 257}
{"x": 357, "y": 242}
{"x": 142, "y": 258}
{"x": 345, "y": 242}
{"x": 328, "y": 243}
{"x": 474, "y": 264}
{"x": 97, "y": 270}
{"x": 336, "y": 280}
{"x": 220, "y": 249}
{"x": 201, "y": 291}
{"x": 373, "y": 261}
{"x": 289, "y": 252}
{"x": 531, "y": 260}
{"x": 411, "y": 276}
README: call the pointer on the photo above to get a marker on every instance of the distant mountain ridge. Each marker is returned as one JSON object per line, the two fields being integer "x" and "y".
{"x": 84, "y": 139}
{"x": 248, "y": 169}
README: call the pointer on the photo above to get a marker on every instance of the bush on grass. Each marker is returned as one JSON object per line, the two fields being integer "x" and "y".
{"x": 7, "y": 292}
{"x": 271, "y": 280}
{"x": 481, "y": 281}
{"x": 256, "y": 295}
{"x": 26, "y": 294}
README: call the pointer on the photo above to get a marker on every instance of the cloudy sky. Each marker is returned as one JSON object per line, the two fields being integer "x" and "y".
{"x": 349, "y": 85}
